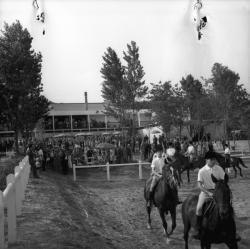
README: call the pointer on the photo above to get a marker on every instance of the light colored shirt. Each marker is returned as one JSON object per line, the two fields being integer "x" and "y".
{"x": 204, "y": 175}
{"x": 190, "y": 150}
{"x": 40, "y": 153}
{"x": 227, "y": 151}
{"x": 157, "y": 164}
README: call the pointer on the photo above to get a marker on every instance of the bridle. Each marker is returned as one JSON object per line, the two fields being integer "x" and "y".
{"x": 212, "y": 203}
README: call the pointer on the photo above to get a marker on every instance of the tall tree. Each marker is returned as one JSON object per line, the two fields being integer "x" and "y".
{"x": 113, "y": 86}
{"x": 20, "y": 79}
{"x": 230, "y": 97}
{"x": 134, "y": 73}
{"x": 197, "y": 103}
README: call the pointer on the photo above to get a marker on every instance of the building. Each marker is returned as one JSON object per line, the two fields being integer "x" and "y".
{"x": 86, "y": 117}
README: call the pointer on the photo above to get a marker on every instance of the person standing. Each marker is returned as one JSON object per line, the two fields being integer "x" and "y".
{"x": 31, "y": 154}
{"x": 227, "y": 154}
{"x": 190, "y": 152}
{"x": 41, "y": 158}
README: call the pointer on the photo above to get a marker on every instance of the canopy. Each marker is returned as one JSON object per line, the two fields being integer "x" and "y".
{"x": 105, "y": 146}
{"x": 62, "y": 135}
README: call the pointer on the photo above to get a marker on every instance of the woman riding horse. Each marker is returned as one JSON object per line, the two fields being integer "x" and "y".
{"x": 163, "y": 194}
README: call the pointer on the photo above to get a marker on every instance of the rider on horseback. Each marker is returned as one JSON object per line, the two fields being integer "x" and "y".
{"x": 157, "y": 165}
{"x": 206, "y": 185}
{"x": 190, "y": 152}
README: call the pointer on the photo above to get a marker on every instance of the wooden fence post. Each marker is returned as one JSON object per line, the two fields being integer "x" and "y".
{"x": 74, "y": 172}
{"x": 140, "y": 170}
{"x": 11, "y": 210}
{"x": 108, "y": 171}
{"x": 1, "y": 221}
{"x": 18, "y": 189}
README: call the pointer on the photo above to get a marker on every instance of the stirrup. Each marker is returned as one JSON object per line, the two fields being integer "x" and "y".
{"x": 196, "y": 236}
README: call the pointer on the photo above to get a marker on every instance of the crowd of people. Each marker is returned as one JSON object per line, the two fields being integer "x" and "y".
{"x": 59, "y": 153}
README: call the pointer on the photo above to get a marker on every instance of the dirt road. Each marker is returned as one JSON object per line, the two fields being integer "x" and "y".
{"x": 92, "y": 213}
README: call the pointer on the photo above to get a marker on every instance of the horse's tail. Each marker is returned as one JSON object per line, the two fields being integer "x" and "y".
{"x": 241, "y": 162}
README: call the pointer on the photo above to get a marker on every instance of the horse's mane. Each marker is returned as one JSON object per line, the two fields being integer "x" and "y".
{"x": 211, "y": 211}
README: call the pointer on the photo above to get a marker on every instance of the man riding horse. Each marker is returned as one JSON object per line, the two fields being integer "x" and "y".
{"x": 206, "y": 185}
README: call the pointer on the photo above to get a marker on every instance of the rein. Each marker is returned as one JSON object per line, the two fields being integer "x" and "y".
{"x": 213, "y": 203}
{"x": 210, "y": 206}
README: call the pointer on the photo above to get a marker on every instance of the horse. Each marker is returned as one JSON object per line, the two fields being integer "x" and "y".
{"x": 183, "y": 164}
{"x": 164, "y": 199}
{"x": 234, "y": 162}
{"x": 218, "y": 225}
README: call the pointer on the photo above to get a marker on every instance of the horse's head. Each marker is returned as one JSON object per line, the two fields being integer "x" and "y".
{"x": 222, "y": 196}
{"x": 169, "y": 175}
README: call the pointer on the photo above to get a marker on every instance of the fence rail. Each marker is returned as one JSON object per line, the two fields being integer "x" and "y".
{"x": 107, "y": 166}
{"x": 139, "y": 163}
{"x": 11, "y": 200}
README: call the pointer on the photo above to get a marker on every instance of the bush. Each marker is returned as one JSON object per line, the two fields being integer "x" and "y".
{"x": 7, "y": 166}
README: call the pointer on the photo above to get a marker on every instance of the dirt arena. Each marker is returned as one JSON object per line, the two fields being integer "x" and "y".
{"x": 92, "y": 213}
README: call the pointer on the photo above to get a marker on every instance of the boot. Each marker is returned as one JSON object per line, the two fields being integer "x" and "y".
{"x": 197, "y": 233}
{"x": 237, "y": 237}
{"x": 178, "y": 201}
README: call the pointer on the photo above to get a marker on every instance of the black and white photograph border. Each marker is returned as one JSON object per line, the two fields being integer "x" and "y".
{"x": 124, "y": 124}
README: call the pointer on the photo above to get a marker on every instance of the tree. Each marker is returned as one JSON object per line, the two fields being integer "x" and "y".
{"x": 197, "y": 102}
{"x": 166, "y": 103}
{"x": 134, "y": 73}
{"x": 20, "y": 79}
{"x": 231, "y": 99}
{"x": 113, "y": 86}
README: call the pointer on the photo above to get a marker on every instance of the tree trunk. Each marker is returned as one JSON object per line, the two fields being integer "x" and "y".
{"x": 16, "y": 140}
{"x": 180, "y": 129}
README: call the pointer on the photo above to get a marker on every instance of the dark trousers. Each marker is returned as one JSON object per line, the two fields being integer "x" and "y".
{"x": 34, "y": 170}
{"x": 65, "y": 167}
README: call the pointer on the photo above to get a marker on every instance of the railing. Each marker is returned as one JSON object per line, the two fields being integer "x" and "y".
{"x": 107, "y": 166}
{"x": 11, "y": 199}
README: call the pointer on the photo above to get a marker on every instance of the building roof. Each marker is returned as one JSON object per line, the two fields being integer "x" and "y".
{"x": 76, "y": 108}
{"x": 61, "y": 109}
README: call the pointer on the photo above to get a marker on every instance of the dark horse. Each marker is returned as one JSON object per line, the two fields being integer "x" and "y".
{"x": 218, "y": 225}
{"x": 164, "y": 199}
{"x": 183, "y": 164}
{"x": 234, "y": 162}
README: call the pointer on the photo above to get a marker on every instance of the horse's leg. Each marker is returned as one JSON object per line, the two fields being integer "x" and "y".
{"x": 187, "y": 227}
{"x": 235, "y": 171}
{"x": 203, "y": 244}
{"x": 180, "y": 177}
{"x": 188, "y": 175}
{"x": 232, "y": 244}
{"x": 164, "y": 223}
{"x": 238, "y": 166}
{"x": 208, "y": 246}
{"x": 173, "y": 219}
{"x": 149, "y": 218}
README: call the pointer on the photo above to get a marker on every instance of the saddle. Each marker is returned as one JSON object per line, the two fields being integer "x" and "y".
{"x": 147, "y": 187}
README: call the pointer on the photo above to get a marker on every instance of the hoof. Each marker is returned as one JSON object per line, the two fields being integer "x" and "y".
{"x": 149, "y": 226}
{"x": 168, "y": 240}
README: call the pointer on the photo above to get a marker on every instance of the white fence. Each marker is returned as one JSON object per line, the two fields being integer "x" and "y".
{"x": 11, "y": 199}
{"x": 107, "y": 166}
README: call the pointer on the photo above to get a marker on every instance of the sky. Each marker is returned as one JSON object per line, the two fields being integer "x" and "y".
{"x": 78, "y": 32}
